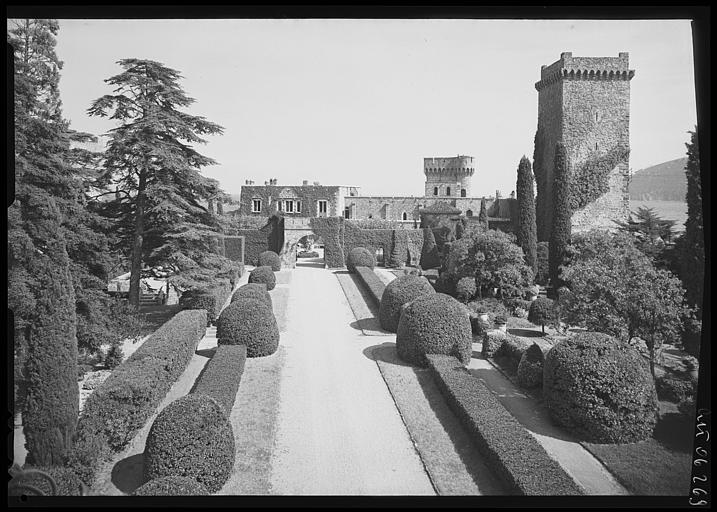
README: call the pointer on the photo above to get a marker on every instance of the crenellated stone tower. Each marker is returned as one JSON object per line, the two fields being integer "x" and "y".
{"x": 448, "y": 177}
{"x": 585, "y": 103}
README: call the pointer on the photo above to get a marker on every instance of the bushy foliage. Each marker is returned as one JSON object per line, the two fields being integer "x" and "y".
{"x": 398, "y": 292}
{"x": 221, "y": 377}
{"x": 562, "y": 214}
{"x": 67, "y": 483}
{"x": 542, "y": 312}
{"x": 263, "y": 275}
{"x": 530, "y": 367}
{"x": 527, "y": 234}
{"x": 172, "y": 486}
{"x": 483, "y": 215}
{"x": 114, "y": 356}
{"x": 651, "y": 233}
{"x": 466, "y": 289}
{"x": 249, "y": 322}
{"x": 191, "y": 437}
{"x": 518, "y": 307}
{"x": 600, "y": 388}
{"x": 543, "y": 264}
{"x": 493, "y": 260}
{"x": 675, "y": 389}
{"x": 510, "y": 451}
{"x": 253, "y": 291}
{"x": 360, "y": 257}
{"x": 693, "y": 246}
{"x": 211, "y": 298}
{"x": 617, "y": 290}
{"x": 270, "y": 259}
{"x": 691, "y": 336}
{"x": 492, "y": 341}
{"x": 511, "y": 351}
{"x": 433, "y": 324}
{"x": 592, "y": 179}
{"x": 492, "y": 306}
{"x": 120, "y": 406}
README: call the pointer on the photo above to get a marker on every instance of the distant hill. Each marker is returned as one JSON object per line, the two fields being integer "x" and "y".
{"x": 661, "y": 182}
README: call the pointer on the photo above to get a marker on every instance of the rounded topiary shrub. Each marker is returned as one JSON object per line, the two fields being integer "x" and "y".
{"x": 263, "y": 275}
{"x": 360, "y": 257}
{"x": 600, "y": 388}
{"x": 172, "y": 486}
{"x": 511, "y": 351}
{"x": 398, "y": 292}
{"x": 466, "y": 289}
{"x": 270, "y": 259}
{"x": 191, "y": 437}
{"x": 542, "y": 312}
{"x": 249, "y": 322}
{"x": 434, "y": 324}
{"x": 253, "y": 291}
{"x": 530, "y": 367}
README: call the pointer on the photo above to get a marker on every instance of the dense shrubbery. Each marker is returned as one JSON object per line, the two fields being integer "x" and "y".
{"x": 120, "y": 406}
{"x": 542, "y": 312}
{"x": 511, "y": 351}
{"x": 493, "y": 259}
{"x": 515, "y": 456}
{"x": 372, "y": 282}
{"x": 191, "y": 437}
{"x": 253, "y": 291}
{"x": 675, "y": 389}
{"x": 397, "y": 293}
{"x": 492, "y": 340}
{"x": 211, "y": 299}
{"x": 263, "y": 275}
{"x": 221, "y": 377}
{"x": 530, "y": 368}
{"x": 172, "y": 486}
{"x": 434, "y": 324}
{"x": 600, "y": 388}
{"x": 562, "y": 215}
{"x": 67, "y": 483}
{"x": 360, "y": 257}
{"x": 249, "y": 322}
{"x": 527, "y": 235}
{"x": 466, "y": 289}
{"x": 430, "y": 257}
{"x": 307, "y": 254}
{"x": 270, "y": 259}
{"x": 542, "y": 276}
{"x": 518, "y": 307}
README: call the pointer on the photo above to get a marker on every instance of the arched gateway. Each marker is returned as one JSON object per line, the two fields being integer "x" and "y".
{"x": 295, "y": 228}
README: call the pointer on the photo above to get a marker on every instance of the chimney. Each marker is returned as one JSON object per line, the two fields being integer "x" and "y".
{"x": 497, "y": 194}
{"x": 316, "y": 183}
{"x": 266, "y": 183}
{"x": 512, "y": 194}
{"x": 305, "y": 183}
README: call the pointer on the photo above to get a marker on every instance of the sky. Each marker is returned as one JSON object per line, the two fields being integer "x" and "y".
{"x": 362, "y": 102}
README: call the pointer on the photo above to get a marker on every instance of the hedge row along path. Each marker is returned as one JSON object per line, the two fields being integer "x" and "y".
{"x": 339, "y": 431}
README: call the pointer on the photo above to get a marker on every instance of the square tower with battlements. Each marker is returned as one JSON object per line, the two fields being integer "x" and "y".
{"x": 448, "y": 177}
{"x": 584, "y": 102}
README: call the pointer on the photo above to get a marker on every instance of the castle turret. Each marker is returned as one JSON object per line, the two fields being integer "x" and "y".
{"x": 448, "y": 177}
{"x": 584, "y": 102}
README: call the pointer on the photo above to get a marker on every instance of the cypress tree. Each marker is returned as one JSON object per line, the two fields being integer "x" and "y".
{"x": 527, "y": 229}
{"x": 430, "y": 256}
{"x": 560, "y": 234}
{"x": 693, "y": 259}
{"x": 541, "y": 202}
{"x": 483, "y": 215}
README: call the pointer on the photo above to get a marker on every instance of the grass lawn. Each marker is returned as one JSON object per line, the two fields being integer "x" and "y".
{"x": 660, "y": 466}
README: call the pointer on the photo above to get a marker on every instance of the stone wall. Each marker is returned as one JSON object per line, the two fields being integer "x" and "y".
{"x": 309, "y": 195}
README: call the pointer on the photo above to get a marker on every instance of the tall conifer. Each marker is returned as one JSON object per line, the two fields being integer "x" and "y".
{"x": 562, "y": 226}
{"x": 527, "y": 230}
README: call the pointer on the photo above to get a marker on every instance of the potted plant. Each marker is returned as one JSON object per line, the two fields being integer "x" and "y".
{"x": 501, "y": 322}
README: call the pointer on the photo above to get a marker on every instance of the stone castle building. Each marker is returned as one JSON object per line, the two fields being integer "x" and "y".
{"x": 585, "y": 103}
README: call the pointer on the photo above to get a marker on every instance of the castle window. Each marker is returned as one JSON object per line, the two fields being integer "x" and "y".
{"x": 298, "y": 206}
{"x": 463, "y": 192}
{"x": 347, "y": 213}
{"x": 448, "y": 191}
{"x": 256, "y": 205}
{"x": 469, "y": 213}
{"x": 435, "y": 191}
{"x": 322, "y": 206}
{"x": 404, "y": 216}
{"x": 289, "y": 206}
{"x": 596, "y": 146}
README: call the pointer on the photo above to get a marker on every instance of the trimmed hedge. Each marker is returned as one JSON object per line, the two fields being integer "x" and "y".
{"x": 331, "y": 231}
{"x": 530, "y": 367}
{"x": 212, "y": 299}
{"x": 360, "y": 257}
{"x": 434, "y": 324}
{"x": 222, "y": 375}
{"x": 600, "y": 388}
{"x": 515, "y": 456}
{"x": 191, "y": 437}
{"x": 67, "y": 482}
{"x": 263, "y": 275}
{"x": 270, "y": 259}
{"x": 253, "y": 291}
{"x": 542, "y": 312}
{"x": 398, "y": 292}
{"x": 172, "y": 486}
{"x": 492, "y": 341}
{"x": 466, "y": 289}
{"x": 121, "y": 405}
{"x": 512, "y": 349}
{"x": 675, "y": 389}
{"x": 249, "y": 322}
{"x": 372, "y": 282}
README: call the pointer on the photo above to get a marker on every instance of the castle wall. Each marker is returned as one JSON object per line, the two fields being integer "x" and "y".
{"x": 309, "y": 195}
{"x": 385, "y": 207}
